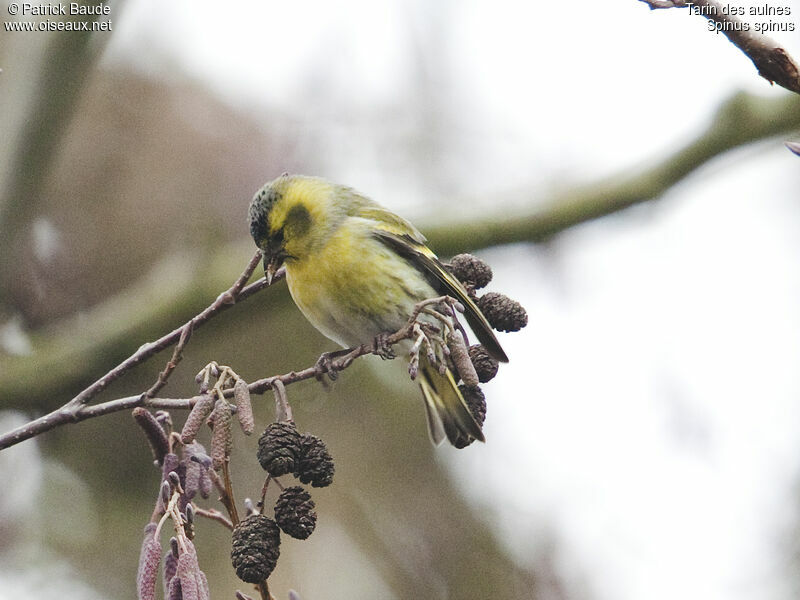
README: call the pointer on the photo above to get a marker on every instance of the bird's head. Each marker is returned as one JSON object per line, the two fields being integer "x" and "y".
{"x": 289, "y": 217}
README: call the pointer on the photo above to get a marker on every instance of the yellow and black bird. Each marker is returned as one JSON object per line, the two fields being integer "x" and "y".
{"x": 356, "y": 270}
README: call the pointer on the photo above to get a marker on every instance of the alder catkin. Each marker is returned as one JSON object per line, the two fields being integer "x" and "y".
{"x": 149, "y": 561}
{"x": 156, "y": 436}
{"x": 244, "y": 408}
{"x": 201, "y": 409}
{"x": 222, "y": 436}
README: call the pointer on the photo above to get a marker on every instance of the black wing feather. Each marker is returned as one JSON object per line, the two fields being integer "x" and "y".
{"x": 445, "y": 284}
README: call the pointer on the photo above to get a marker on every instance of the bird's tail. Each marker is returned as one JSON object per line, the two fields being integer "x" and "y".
{"x": 448, "y": 414}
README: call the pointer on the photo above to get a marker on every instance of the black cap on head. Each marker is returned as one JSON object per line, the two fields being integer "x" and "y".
{"x": 260, "y": 208}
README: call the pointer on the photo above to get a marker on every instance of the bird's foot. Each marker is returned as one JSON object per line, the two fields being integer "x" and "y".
{"x": 325, "y": 364}
{"x": 381, "y": 346}
{"x": 423, "y": 342}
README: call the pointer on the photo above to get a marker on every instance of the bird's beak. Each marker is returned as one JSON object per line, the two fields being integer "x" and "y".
{"x": 272, "y": 262}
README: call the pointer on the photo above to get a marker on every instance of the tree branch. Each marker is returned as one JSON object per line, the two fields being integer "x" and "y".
{"x": 64, "y": 70}
{"x": 63, "y": 355}
{"x": 740, "y": 120}
{"x": 77, "y": 409}
{"x": 66, "y": 354}
{"x": 214, "y": 515}
{"x": 225, "y": 300}
{"x": 177, "y": 355}
{"x": 772, "y": 62}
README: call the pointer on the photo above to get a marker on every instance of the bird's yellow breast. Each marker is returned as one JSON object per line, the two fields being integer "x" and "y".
{"x": 355, "y": 287}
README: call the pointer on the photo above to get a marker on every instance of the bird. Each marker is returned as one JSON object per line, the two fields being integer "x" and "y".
{"x": 356, "y": 271}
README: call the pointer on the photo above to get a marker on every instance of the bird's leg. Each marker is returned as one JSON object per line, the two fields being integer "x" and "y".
{"x": 381, "y": 346}
{"x": 443, "y": 356}
{"x": 324, "y": 363}
{"x": 413, "y": 353}
{"x": 430, "y": 340}
{"x": 445, "y": 320}
{"x": 433, "y": 337}
{"x": 443, "y": 309}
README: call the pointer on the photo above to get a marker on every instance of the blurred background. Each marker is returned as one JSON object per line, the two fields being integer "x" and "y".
{"x": 644, "y": 440}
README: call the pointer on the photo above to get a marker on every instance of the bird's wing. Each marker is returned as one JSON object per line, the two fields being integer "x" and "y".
{"x": 388, "y": 221}
{"x": 424, "y": 260}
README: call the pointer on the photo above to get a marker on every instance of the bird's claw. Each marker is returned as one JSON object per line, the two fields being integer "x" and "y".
{"x": 325, "y": 365}
{"x": 381, "y": 346}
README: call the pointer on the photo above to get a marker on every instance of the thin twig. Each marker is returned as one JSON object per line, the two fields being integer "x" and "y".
{"x": 771, "y": 60}
{"x": 264, "y": 494}
{"x": 71, "y": 414}
{"x": 225, "y": 300}
{"x": 263, "y": 589}
{"x": 283, "y": 410}
{"x": 77, "y": 409}
{"x": 654, "y": 4}
{"x": 214, "y": 515}
{"x": 224, "y": 497}
{"x": 231, "y": 504}
{"x": 177, "y": 355}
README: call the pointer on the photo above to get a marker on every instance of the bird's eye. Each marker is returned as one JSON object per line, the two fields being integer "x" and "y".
{"x": 277, "y": 237}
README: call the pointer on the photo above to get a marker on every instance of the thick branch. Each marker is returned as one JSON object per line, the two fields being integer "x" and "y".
{"x": 65, "y": 69}
{"x": 773, "y": 62}
{"x": 742, "y": 119}
{"x": 65, "y": 354}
